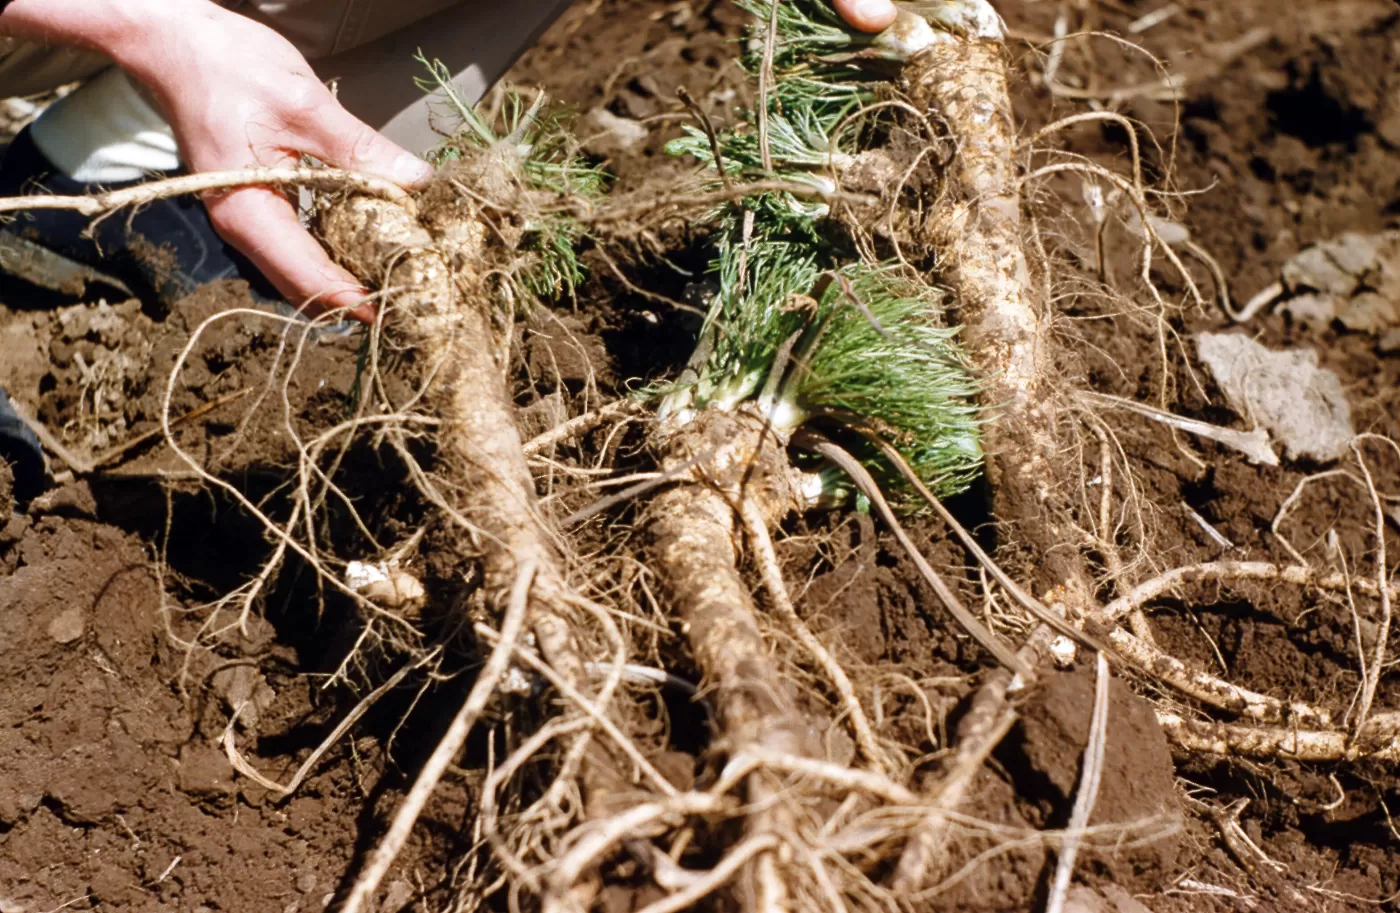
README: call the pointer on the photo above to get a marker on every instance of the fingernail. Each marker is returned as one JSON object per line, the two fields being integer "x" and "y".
{"x": 873, "y": 11}
{"x": 411, "y": 171}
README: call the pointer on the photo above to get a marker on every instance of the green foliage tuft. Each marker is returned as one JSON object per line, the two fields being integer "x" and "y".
{"x": 533, "y": 141}
{"x": 867, "y": 350}
{"x": 761, "y": 302}
{"x": 883, "y": 359}
{"x": 807, "y": 30}
{"x": 798, "y": 324}
{"x": 812, "y": 134}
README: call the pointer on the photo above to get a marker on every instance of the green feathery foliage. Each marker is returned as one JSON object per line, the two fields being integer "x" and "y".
{"x": 761, "y": 302}
{"x": 812, "y": 137}
{"x": 799, "y": 325}
{"x": 535, "y": 141}
{"x": 866, "y": 351}
{"x": 806, "y": 31}
{"x": 881, "y": 358}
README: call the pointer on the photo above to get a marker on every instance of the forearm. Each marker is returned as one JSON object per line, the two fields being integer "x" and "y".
{"x": 124, "y": 30}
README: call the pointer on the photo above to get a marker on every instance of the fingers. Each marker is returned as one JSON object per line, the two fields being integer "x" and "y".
{"x": 866, "y": 15}
{"x": 348, "y": 142}
{"x": 265, "y": 228}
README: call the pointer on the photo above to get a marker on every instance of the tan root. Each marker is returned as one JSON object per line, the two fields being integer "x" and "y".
{"x": 440, "y": 304}
{"x": 693, "y": 529}
{"x": 975, "y": 219}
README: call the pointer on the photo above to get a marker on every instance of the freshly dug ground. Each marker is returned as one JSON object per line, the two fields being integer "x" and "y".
{"x": 116, "y": 791}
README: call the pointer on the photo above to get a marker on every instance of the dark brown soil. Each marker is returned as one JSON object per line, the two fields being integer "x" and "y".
{"x": 116, "y": 794}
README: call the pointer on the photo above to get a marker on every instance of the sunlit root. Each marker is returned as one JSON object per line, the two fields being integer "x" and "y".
{"x": 693, "y": 529}
{"x": 438, "y": 301}
{"x": 1380, "y": 741}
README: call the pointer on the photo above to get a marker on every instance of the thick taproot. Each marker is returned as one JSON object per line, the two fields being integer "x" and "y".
{"x": 694, "y": 533}
{"x": 975, "y": 222}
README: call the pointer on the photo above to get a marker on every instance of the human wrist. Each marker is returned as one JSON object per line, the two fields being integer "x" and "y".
{"x": 111, "y": 27}
{"x": 141, "y": 36}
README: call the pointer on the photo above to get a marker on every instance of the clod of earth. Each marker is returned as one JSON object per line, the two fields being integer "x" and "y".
{"x": 1353, "y": 279}
{"x": 1301, "y": 404}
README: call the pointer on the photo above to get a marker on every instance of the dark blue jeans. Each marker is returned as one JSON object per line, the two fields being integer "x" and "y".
{"x": 20, "y": 448}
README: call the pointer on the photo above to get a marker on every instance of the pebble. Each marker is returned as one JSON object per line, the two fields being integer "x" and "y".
{"x": 68, "y": 626}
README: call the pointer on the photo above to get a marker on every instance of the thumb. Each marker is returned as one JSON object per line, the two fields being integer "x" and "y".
{"x": 866, "y": 15}
{"x": 346, "y": 141}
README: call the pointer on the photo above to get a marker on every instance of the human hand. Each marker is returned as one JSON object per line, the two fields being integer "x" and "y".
{"x": 239, "y": 95}
{"x": 866, "y": 15}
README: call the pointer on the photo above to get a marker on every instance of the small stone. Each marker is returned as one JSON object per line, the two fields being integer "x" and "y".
{"x": 1312, "y": 308}
{"x": 245, "y": 692}
{"x": 306, "y": 882}
{"x": 1335, "y": 266}
{"x": 1301, "y": 404}
{"x": 14, "y": 530}
{"x": 111, "y": 884}
{"x": 1084, "y": 900}
{"x": 1352, "y": 279}
{"x": 68, "y": 626}
{"x": 605, "y": 133}
{"x": 72, "y": 500}
{"x": 204, "y": 771}
{"x": 397, "y": 897}
{"x": 1122, "y": 900}
{"x": 1389, "y": 126}
{"x": 1371, "y": 312}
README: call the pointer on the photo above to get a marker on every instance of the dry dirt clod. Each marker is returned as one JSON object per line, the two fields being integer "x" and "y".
{"x": 1137, "y": 800}
{"x": 1300, "y": 403}
{"x": 1353, "y": 279}
{"x": 604, "y": 133}
{"x": 68, "y": 625}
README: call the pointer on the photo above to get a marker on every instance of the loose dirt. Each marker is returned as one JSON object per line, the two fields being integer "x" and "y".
{"x": 116, "y": 788}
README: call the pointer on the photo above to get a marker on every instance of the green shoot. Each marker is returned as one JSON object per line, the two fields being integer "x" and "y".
{"x": 532, "y": 142}
{"x": 797, "y": 329}
{"x": 761, "y": 303}
{"x": 868, "y": 351}
{"x": 882, "y": 360}
{"x": 806, "y": 30}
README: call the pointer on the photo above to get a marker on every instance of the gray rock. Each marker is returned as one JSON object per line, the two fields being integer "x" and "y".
{"x": 67, "y": 626}
{"x": 604, "y": 133}
{"x": 1353, "y": 279}
{"x": 1301, "y": 405}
